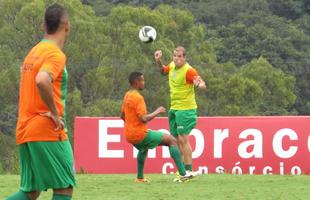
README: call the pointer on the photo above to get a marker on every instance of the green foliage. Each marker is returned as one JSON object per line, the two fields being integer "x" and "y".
{"x": 242, "y": 30}
{"x": 104, "y": 108}
{"x": 291, "y": 9}
{"x": 254, "y": 89}
{"x": 9, "y": 85}
{"x": 277, "y": 87}
{"x": 8, "y": 154}
{"x": 282, "y": 43}
{"x": 74, "y": 108}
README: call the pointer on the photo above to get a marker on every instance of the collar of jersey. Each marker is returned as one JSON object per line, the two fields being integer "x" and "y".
{"x": 47, "y": 40}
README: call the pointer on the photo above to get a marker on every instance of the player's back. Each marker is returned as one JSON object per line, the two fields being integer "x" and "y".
{"x": 134, "y": 107}
{"x": 45, "y": 56}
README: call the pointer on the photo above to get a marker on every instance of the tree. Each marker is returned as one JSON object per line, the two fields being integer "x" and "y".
{"x": 254, "y": 89}
{"x": 291, "y": 9}
{"x": 278, "y": 88}
{"x": 284, "y": 45}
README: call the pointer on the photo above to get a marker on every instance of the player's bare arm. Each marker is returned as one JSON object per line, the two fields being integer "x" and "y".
{"x": 148, "y": 117}
{"x": 158, "y": 59}
{"x": 199, "y": 83}
{"x": 44, "y": 84}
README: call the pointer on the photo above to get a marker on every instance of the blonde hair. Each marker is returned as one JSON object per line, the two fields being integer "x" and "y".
{"x": 182, "y": 49}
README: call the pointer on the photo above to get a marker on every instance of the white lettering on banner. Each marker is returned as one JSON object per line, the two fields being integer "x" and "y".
{"x": 200, "y": 143}
{"x": 295, "y": 170}
{"x": 278, "y": 141}
{"x": 166, "y": 166}
{"x": 219, "y": 136}
{"x": 203, "y": 169}
{"x": 220, "y": 170}
{"x": 105, "y": 138}
{"x": 251, "y": 170}
{"x": 236, "y": 169}
{"x": 250, "y": 146}
{"x": 170, "y": 167}
{"x": 165, "y": 150}
{"x": 257, "y": 144}
{"x": 267, "y": 170}
{"x": 281, "y": 168}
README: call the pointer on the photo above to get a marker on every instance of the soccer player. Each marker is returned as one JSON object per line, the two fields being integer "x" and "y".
{"x": 182, "y": 114}
{"x": 46, "y": 158}
{"x": 135, "y": 116}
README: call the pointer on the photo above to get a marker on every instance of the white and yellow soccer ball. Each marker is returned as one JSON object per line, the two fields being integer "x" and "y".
{"x": 147, "y": 34}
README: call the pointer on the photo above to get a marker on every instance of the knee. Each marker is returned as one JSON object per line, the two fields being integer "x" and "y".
{"x": 33, "y": 195}
{"x": 173, "y": 141}
{"x": 182, "y": 140}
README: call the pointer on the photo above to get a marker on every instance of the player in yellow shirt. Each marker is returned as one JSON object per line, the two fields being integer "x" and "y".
{"x": 135, "y": 116}
{"x": 46, "y": 158}
{"x": 183, "y": 108}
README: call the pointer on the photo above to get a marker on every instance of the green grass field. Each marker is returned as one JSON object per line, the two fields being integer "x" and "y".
{"x": 205, "y": 187}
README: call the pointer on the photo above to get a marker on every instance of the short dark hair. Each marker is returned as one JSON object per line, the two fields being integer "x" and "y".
{"x": 134, "y": 76}
{"x": 53, "y": 16}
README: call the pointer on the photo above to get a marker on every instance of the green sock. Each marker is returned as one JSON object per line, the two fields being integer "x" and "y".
{"x": 175, "y": 154}
{"x": 189, "y": 167}
{"x": 61, "y": 197}
{"x": 19, "y": 196}
{"x": 141, "y": 159}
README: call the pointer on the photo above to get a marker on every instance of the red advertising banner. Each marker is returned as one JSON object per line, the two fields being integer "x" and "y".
{"x": 237, "y": 145}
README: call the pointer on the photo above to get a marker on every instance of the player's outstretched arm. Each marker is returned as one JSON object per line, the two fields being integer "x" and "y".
{"x": 158, "y": 59}
{"x": 148, "y": 117}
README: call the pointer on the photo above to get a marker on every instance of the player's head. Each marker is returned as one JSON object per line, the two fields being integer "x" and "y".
{"x": 56, "y": 20}
{"x": 179, "y": 56}
{"x": 136, "y": 80}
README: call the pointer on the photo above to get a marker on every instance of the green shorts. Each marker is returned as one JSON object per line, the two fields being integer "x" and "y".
{"x": 151, "y": 140}
{"x": 181, "y": 122}
{"x": 45, "y": 165}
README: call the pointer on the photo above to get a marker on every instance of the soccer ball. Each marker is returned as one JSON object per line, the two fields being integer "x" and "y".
{"x": 147, "y": 34}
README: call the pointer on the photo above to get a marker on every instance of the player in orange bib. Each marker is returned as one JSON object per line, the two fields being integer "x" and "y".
{"x": 46, "y": 158}
{"x": 135, "y": 115}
